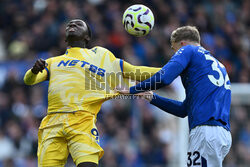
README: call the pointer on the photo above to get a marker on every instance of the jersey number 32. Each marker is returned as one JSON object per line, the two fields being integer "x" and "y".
{"x": 220, "y": 81}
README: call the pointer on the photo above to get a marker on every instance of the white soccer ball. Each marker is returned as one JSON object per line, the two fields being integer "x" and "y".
{"x": 138, "y": 20}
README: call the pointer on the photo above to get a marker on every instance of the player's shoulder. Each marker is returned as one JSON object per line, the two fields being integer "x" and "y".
{"x": 99, "y": 49}
{"x": 188, "y": 50}
{"x": 56, "y": 58}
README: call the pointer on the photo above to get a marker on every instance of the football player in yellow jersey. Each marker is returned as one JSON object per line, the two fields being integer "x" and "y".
{"x": 79, "y": 82}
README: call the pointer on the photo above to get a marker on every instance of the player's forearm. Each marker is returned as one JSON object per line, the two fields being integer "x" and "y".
{"x": 162, "y": 78}
{"x": 138, "y": 73}
{"x": 170, "y": 106}
{"x": 30, "y": 78}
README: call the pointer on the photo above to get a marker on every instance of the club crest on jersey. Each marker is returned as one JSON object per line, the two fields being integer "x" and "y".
{"x": 92, "y": 67}
{"x": 94, "y": 50}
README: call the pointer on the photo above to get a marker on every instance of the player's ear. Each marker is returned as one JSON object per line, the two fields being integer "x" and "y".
{"x": 89, "y": 33}
{"x": 183, "y": 43}
{"x": 87, "y": 38}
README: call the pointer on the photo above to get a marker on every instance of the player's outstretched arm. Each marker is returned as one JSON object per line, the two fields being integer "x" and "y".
{"x": 174, "y": 107}
{"x": 167, "y": 74}
{"x": 138, "y": 73}
{"x": 37, "y": 73}
{"x": 163, "y": 77}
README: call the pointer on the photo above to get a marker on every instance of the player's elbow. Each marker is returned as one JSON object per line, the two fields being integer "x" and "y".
{"x": 182, "y": 113}
{"x": 27, "y": 82}
{"x": 182, "y": 116}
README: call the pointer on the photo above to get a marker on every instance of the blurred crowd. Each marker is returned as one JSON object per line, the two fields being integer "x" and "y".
{"x": 132, "y": 132}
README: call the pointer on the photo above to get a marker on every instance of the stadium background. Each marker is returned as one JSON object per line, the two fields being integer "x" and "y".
{"x": 133, "y": 133}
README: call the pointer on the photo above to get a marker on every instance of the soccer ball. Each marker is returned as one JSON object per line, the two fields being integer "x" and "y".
{"x": 138, "y": 20}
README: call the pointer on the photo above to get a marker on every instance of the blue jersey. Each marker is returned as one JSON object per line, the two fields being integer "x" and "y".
{"x": 207, "y": 85}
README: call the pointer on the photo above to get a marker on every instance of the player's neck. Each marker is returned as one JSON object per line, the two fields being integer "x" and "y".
{"x": 192, "y": 43}
{"x": 80, "y": 44}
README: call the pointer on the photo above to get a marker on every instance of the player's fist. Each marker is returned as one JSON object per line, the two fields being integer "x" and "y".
{"x": 39, "y": 66}
{"x": 146, "y": 95}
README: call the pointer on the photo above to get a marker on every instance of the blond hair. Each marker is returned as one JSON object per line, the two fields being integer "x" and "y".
{"x": 189, "y": 33}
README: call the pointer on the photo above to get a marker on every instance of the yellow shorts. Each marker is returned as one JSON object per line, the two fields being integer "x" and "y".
{"x": 64, "y": 133}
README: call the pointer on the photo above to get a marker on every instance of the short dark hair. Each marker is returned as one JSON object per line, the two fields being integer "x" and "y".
{"x": 189, "y": 33}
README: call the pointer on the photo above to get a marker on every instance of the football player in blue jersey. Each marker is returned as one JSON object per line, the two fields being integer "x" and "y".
{"x": 208, "y": 97}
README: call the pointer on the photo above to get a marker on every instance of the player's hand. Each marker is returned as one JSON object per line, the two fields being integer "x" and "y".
{"x": 39, "y": 66}
{"x": 122, "y": 90}
{"x": 146, "y": 95}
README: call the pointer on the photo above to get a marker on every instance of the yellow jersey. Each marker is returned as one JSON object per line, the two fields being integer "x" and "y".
{"x": 82, "y": 79}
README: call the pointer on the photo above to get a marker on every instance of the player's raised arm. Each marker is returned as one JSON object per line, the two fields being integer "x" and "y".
{"x": 167, "y": 74}
{"x": 138, "y": 73}
{"x": 37, "y": 73}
